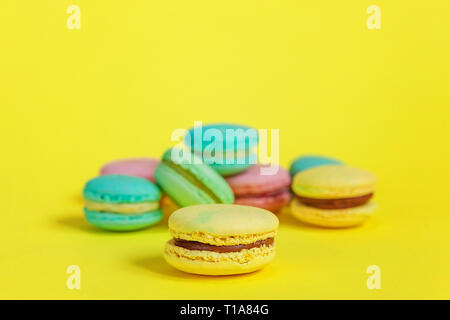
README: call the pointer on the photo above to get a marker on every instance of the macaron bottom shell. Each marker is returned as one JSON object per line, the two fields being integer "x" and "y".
{"x": 122, "y": 222}
{"x": 311, "y": 161}
{"x": 216, "y": 264}
{"x": 180, "y": 190}
{"x": 229, "y": 169}
{"x": 167, "y": 205}
{"x": 337, "y": 218}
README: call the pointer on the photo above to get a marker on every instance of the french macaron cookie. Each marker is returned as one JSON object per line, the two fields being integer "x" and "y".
{"x": 219, "y": 239}
{"x": 333, "y": 196}
{"x": 139, "y": 167}
{"x": 236, "y": 142}
{"x": 310, "y": 161}
{"x": 121, "y": 203}
{"x": 253, "y": 188}
{"x": 189, "y": 181}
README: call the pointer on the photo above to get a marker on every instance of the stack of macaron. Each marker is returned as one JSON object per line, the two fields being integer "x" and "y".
{"x": 237, "y": 164}
{"x": 331, "y": 194}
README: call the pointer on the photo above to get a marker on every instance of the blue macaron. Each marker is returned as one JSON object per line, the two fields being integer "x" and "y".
{"x": 121, "y": 203}
{"x": 310, "y": 161}
{"x": 236, "y": 140}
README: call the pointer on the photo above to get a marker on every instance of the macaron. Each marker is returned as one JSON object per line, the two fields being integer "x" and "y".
{"x": 121, "y": 203}
{"x": 219, "y": 239}
{"x": 139, "y": 167}
{"x": 168, "y": 206}
{"x": 310, "y": 161}
{"x": 190, "y": 182}
{"x": 236, "y": 142}
{"x": 252, "y": 188}
{"x": 333, "y": 196}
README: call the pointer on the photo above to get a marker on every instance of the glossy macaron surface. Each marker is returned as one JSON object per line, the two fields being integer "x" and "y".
{"x": 310, "y": 161}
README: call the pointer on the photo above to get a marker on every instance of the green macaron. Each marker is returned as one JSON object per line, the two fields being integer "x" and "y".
{"x": 188, "y": 181}
{"x": 121, "y": 203}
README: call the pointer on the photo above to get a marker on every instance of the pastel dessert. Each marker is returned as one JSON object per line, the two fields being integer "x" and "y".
{"x": 219, "y": 239}
{"x": 270, "y": 192}
{"x": 333, "y": 196}
{"x": 139, "y": 167}
{"x": 121, "y": 203}
{"x": 310, "y": 161}
{"x": 237, "y": 150}
{"x": 191, "y": 181}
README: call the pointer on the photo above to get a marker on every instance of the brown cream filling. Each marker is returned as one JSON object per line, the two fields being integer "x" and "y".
{"x": 331, "y": 204}
{"x": 195, "y": 245}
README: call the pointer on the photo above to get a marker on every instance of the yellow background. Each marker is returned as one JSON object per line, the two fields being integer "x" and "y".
{"x": 72, "y": 100}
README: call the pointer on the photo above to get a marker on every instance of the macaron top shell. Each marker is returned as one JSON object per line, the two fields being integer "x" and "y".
{"x": 223, "y": 224}
{"x": 310, "y": 161}
{"x": 333, "y": 182}
{"x": 253, "y": 182}
{"x": 139, "y": 167}
{"x": 208, "y": 137}
{"x": 121, "y": 189}
{"x": 201, "y": 175}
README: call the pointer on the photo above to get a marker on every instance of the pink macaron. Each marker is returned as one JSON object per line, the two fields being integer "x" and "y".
{"x": 270, "y": 192}
{"x": 140, "y": 167}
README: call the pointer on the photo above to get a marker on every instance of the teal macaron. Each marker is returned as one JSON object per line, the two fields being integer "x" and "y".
{"x": 190, "y": 181}
{"x": 310, "y": 161}
{"x": 234, "y": 139}
{"x": 121, "y": 203}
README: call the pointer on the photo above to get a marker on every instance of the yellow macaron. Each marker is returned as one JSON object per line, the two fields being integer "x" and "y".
{"x": 221, "y": 239}
{"x": 333, "y": 196}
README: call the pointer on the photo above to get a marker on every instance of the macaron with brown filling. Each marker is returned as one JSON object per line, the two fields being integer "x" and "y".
{"x": 333, "y": 196}
{"x": 221, "y": 239}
